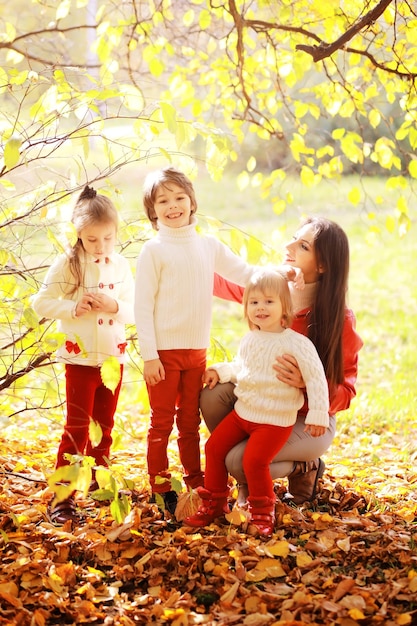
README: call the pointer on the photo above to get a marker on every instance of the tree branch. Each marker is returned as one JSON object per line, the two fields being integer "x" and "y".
{"x": 324, "y": 50}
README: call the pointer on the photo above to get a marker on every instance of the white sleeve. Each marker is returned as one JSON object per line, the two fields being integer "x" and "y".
{"x": 314, "y": 377}
{"x": 51, "y": 300}
{"x": 146, "y": 288}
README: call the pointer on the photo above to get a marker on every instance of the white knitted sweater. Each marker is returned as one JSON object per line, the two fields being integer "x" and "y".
{"x": 174, "y": 288}
{"x": 261, "y": 397}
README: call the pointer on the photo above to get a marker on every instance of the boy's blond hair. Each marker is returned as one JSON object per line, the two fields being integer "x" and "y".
{"x": 270, "y": 282}
{"x": 163, "y": 178}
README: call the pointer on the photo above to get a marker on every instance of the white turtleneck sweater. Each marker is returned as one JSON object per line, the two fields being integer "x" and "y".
{"x": 302, "y": 298}
{"x": 261, "y": 397}
{"x": 174, "y": 288}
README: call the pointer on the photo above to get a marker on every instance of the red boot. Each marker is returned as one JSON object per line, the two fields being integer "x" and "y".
{"x": 213, "y": 505}
{"x": 262, "y": 512}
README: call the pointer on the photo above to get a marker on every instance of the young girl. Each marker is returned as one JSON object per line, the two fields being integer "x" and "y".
{"x": 265, "y": 410}
{"x": 89, "y": 290}
{"x": 173, "y": 302}
{"x": 320, "y": 249}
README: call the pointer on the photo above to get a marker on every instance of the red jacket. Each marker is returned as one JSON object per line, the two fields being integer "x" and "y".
{"x": 352, "y": 343}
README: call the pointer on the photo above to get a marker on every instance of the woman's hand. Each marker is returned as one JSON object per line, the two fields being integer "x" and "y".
{"x": 295, "y": 275}
{"x": 153, "y": 372}
{"x": 287, "y": 371}
{"x": 210, "y": 378}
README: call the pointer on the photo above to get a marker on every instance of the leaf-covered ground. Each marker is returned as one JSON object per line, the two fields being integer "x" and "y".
{"x": 349, "y": 559}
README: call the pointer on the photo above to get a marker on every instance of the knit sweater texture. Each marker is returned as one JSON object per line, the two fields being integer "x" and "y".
{"x": 261, "y": 397}
{"x": 174, "y": 288}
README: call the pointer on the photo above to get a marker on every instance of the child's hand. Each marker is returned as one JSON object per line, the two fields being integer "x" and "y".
{"x": 153, "y": 372}
{"x": 315, "y": 431}
{"x": 101, "y": 303}
{"x": 97, "y": 302}
{"x": 210, "y": 378}
{"x": 85, "y": 305}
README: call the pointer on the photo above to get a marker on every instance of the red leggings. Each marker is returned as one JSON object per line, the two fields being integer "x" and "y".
{"x": 176, "y": 397}
{"x": 87, "y": 397}
{"x": 264, "y": 441}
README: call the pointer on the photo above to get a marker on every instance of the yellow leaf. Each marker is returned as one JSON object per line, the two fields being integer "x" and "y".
{"x": 255, "y": 576}
{"x": 95, "y": 433}
{"x": 276, "y": 571}
{"x": 251, "y": 164}
{"x": 356, "y": 614}
{"x": 110, "y": 373}
{"x": 272, "y": 567}
{"x": 354, "y": 196}
{"x": 204, "y": 19}
{"x": 279, "y": 548}
{"x": 374, "y": 118}
{"x": 63, "y": 9}
{"x": 242, "y": 180}
{"x": 303, "y": 559}
{"x": 412, "y": 168}
{"x": 169, "y": 116}
{"x": 12, "y": 152}
{"x": 237, "y": 517}
{"x": 403, "y": 619}
{"x": 156, "y": 67}
{"x": 188, "y": 18}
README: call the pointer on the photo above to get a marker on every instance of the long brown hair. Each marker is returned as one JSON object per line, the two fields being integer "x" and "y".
{"x": 326, "y": 322}
{"x": 90, "y": 208}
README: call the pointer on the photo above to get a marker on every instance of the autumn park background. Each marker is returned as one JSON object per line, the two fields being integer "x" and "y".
{"x": 276, "y": 110}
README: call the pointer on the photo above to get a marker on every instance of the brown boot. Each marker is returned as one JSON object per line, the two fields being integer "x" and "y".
{"x": 302, "y": 482}
{"x": 63, "y": 512}
{"x": 262, "y": 512}
{"x": 213, "y": 505}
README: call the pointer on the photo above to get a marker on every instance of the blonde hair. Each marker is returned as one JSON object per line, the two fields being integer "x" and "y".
{"x": 163, "y": 178}
{"x": 90, "y": 208}
{"x": 271, "y": 282}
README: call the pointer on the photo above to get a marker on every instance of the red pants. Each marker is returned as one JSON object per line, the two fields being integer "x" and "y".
{"x": 176, "y": 397}
{"x": 87, "y": 397}
{"x": 264, "y": 441}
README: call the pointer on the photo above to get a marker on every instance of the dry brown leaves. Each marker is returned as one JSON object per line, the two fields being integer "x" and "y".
{"x": 350, "y": 559}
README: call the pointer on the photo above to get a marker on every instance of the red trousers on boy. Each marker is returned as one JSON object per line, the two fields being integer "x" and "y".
{"x": 87, "y": 397}
{"x": 176, "y": 398}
